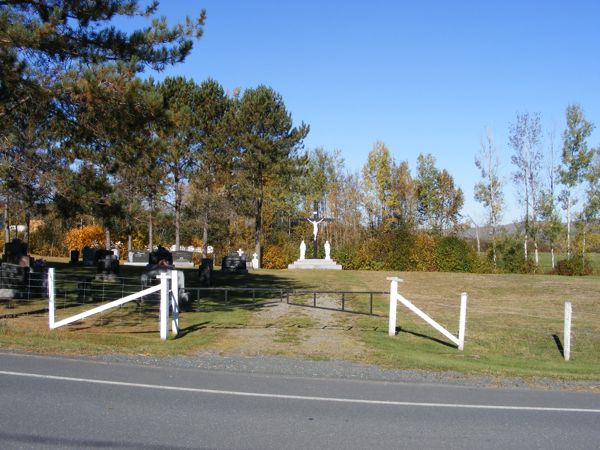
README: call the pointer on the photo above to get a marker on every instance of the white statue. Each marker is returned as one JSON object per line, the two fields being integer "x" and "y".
{"x": 327, "y": 250}
{"x": 255, "y": 261}
{"x": 240, "y": 252}
{"x": 302, "y": 249}
{"x": 315, "y": 224}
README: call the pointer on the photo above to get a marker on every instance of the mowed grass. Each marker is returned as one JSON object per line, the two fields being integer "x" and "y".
{"x": 514, "y": 322}
{"x": 545, "y": 261}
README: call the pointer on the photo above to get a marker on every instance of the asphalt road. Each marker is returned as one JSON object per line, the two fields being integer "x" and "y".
{"x": 48, "y": 402}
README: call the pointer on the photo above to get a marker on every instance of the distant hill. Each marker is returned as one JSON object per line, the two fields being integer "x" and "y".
{"x": 485, "y": 232}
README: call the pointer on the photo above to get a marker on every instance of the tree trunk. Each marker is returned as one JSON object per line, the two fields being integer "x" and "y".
{"x": 583, "y": 247}
{"x": 150, "y": 227}
{"x": 569, "y": 226}
{"x": 27, "y": 223}
{"x": 107, "y": 238}
{"x": 177, "y": 212}
{"x": 6, "y": 224}
{"x": 494, "y": 244}
{"x": 177, "y": 219}
{"x": 477, "y": 237}
{"x": 205, "y": 235}
{"x": 552, "y": 256}
{"x": 129, "y": 231}
{"x": 525, "y": 246}
{"x": 258, "y": 230}
{"x": 537, "y": 259}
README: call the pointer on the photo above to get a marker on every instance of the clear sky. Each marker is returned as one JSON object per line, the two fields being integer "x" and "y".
{"x": 421, "y": 76}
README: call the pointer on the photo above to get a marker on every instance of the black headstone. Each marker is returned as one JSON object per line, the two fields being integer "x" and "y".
{"x": 205, "y": 272}
{"x": 89, "y": 256}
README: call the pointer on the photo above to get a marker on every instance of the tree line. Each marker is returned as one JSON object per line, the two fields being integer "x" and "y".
{"x": 547, "y": 180}
{"x": 85, "y": 140}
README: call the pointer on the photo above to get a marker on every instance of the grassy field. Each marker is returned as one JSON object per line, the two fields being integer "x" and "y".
{"x": 546, "y": 260}
{"x": 514, "y": 322}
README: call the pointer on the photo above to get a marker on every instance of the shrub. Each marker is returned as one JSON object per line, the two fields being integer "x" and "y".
{"x": 278, "y": 256}
{"x": 422, "y": 255}
{"x": 48, "y": 238}
{"x": 510, "y": 255}
{"x": 89, "y": 235}
{"x": 453, "y": 254}
{"x": 574, "y": 266}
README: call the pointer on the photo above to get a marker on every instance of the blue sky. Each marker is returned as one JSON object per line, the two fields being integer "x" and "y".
{"x": 423, "y": 76}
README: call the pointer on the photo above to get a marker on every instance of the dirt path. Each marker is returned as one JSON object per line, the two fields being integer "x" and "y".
{"x": 282, "y": 329}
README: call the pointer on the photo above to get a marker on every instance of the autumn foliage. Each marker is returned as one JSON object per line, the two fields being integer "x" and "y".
{"x": 89, "y": 235}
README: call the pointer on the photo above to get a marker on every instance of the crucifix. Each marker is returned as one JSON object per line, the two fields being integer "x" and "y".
{"x": 315, "y": 221}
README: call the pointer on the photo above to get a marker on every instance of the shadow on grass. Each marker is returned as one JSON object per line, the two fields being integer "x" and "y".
{"x": 559, "y": 344}
{"x": 424, "y": 336}
{"x": 192, "y": 328}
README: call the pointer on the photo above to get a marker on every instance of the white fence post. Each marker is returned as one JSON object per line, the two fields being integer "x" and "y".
{"x": 393, "y": 304}
{"x": 462, "y": 321}
{"x": 567, "y": 334}
{"x": 51, "y": 299}
{"x": 164, "y": 305}
{"x": 175, "y": 301}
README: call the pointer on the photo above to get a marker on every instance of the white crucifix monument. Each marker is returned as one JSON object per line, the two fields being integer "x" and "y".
{"x": 314, "y": 262}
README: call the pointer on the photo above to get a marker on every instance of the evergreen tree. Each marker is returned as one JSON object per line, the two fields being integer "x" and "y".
{"x": 268, "y": 145}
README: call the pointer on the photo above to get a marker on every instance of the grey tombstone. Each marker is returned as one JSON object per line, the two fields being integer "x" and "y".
{"x": 139, "y": 257}
{"x": 182, "y": 257}
{"x": 234, "y": 263}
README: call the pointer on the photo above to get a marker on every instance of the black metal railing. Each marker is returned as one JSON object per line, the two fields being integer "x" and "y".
{"x": 357, "y": 302}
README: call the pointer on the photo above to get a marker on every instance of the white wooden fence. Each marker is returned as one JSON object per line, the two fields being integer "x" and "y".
{"x": 395, "y": 297}
{"x": 168, "y": 289}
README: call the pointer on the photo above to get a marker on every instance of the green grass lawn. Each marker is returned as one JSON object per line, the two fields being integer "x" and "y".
{"x": 514, "y": 322}
{"x": 546, "y": 260}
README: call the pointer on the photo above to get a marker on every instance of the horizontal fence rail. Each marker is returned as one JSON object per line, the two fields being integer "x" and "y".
{"x": 357, "y": 302}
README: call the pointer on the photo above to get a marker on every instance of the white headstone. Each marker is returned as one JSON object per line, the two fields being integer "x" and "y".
{"x": 254, "y": 261}
{"x": 240, "y": 252}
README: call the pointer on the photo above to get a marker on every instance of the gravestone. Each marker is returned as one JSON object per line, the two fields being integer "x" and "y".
{"x": 160, "y": 254}
{"x": 14, "y": 253}
{"x": 20, "y": 276}
{"x": 182, "y": 259}
{"x": 89, "y": 256}
{"x": 107, "y": 269}
{"x": 234, "y": 263}
{"x": 205, "y": 272}
{"x": 138, "y": 257}
{"x": 74, "y": 257}
{"x": 14, "y": 281}
{"x": 150, "y": 278}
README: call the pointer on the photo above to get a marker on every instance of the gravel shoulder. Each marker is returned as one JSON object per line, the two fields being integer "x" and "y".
{"x": 340, "y": 369}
